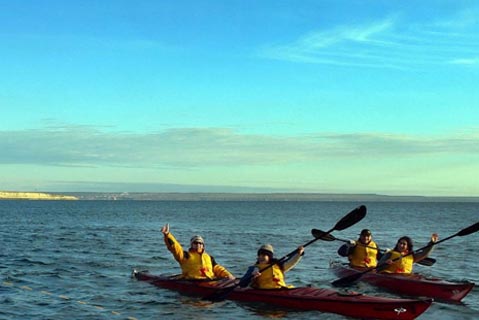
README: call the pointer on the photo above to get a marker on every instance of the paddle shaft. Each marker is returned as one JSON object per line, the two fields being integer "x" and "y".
{"x": 348, "y": 220}
{"x": 464, "y": 232}
{"x": 289, "y": 255}
{"x": 348, "y": 241}
{"x": 222, "y": 295}
{"x": 426, "y": 261}
{"x": 321, "y": 234}
{"x": 354, "y": 277}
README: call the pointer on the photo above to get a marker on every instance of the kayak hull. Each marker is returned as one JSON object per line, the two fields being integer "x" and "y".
{"x": 413, "y": 285}
{"x": 350, "y": 304}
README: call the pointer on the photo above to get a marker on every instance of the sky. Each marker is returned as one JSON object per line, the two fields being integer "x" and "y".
{"x": 330, "y": 96}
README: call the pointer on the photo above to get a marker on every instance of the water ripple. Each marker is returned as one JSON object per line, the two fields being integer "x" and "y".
{"x": 72, "y": 260}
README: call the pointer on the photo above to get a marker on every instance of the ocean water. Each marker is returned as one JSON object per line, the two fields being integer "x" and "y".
{"x": 73, "y": 259}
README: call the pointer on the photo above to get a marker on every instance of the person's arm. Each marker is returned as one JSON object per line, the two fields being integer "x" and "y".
{"x": 293, "y": 261}
{"x": 347, "y": 248}
{"x": 172, "y": 244}
{"x": 220, "y": 271}
{"x": 380, "y": 254}
{"x": 250, "y": 274}
{"x": 386, "y": 256}
{"x": 420, "y": 255}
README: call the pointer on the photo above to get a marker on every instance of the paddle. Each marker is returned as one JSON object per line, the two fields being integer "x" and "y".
{"x": 348, "y": 220}
{"x": 351, "y": 278}
{"x": 329, "y": 237}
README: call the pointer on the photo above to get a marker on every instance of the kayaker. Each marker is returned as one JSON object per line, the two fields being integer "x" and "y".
{"x": 402, "y": 257}
{"x": 195, "y": 263}
{"x": 363, "y": 253}
{"x": 272, "y": 276}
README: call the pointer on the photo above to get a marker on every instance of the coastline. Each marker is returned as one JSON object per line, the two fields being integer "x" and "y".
{"x": 13, "y": 195}
{"x": 199, "y": 196}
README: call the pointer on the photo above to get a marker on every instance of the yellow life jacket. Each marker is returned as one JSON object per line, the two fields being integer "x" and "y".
{"x": 403, "y": 264}
{"x": 271, "y": 278}
{"x": 363, "y": 256}
{"x": 194, "y": 265}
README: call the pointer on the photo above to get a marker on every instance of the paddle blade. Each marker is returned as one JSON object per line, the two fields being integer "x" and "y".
{"x": 220, "y": 295}
{"x": 469, "y": 230}
{"x": 345, "y": 281}
{"x": 427, "y": 262}
{"x": 351, "y": 218}
{"x": 230, "y": 286}
{"x": 321, "y": 235}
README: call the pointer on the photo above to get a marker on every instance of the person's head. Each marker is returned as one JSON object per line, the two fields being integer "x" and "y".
{"x": 197, "y": 244}
{"x": 365, "y": 236}
{"x": 265, "y": 253}
{"x": 404, "y": 244}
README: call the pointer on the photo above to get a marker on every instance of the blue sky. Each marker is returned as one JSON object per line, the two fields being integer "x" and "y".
{"x": 240, "y": 96}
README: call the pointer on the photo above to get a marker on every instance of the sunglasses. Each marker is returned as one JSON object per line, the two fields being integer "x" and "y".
{"x": 198, "y": 243}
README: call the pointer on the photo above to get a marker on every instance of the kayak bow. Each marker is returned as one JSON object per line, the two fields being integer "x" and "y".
{"x": 410, "y": 285}
{"x": 351, "y": 304}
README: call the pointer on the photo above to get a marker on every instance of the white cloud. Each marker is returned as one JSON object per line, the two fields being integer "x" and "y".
{"x": 388, "y": 43}
{"x": 466, "y": 61}
{"x": 208, "y": 147}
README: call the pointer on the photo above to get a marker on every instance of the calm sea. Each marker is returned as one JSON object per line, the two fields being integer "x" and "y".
{"x": 72, "y": 260}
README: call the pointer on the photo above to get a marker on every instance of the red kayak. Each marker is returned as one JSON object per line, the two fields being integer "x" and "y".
{"x": 351, "y": 304}
{"x": 409, "y": 284}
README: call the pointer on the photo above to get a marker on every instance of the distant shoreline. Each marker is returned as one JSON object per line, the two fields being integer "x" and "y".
{"x": 14, "y": 195}
{"x": 199, "y": 196}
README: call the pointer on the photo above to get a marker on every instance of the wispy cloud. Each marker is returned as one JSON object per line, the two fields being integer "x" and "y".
{"x": 470, "y": 61}
{"x": 317, "y": 40}
{"x": 205, "y": 147}
{"x": 387, "y": 43}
